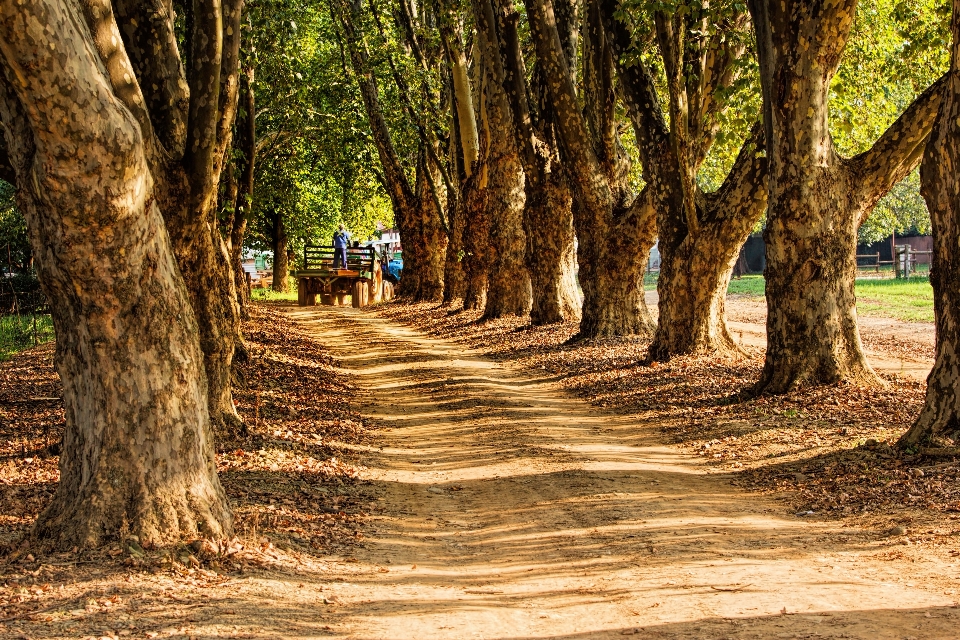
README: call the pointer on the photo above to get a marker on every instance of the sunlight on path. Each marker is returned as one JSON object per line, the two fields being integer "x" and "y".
{"x": 511, "y": 510}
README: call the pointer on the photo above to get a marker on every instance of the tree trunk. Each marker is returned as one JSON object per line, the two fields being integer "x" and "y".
{"x": 614, "y": 232}
{"x": 186, "y": 190}
{"x": 817, "y": 199}
{"x": 940, "y": 418}
{"x": 508, "y": 291}
{"x": 424, "y": 241}
{"x": 695, "y": 268}
{"x": 812, "y": 334}
{"x": 476, "y": 233}
{"x": 453, "y": 280}
{"x": 281, "y": 270}
{"x": 247, "y": 128}
{"x": 551, "y": 256}
{"x": 128, "y": 346}
{"x": 611, "y": 275}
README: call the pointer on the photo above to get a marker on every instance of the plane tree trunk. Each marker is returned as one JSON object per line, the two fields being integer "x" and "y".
{"x": 699, "y": 234}
{"x": 476, "y": 233}
{"x": 138, "y": 452}
{"x": 194, "y": 110}
{"x": 550, "y": 255}
{"x": 939, "y": 420}
{"x": 247, "y": 129}
{"x": 817, "y": 199}
{"x": 508, "y": 291}
{"x": 695, "y": 270}
{"x": 614, "y": 230}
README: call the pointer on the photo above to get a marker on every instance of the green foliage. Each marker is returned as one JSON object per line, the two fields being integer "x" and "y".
{"x": 316, "y": 166}
{"x": 14, "y": 244}
{"x": 897, "y": 49}
{"x": 19, "y": 332}
{"x": 901, "y": 211}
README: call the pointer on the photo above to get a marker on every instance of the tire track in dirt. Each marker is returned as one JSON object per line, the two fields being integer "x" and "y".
{"x": 511, "y": 510}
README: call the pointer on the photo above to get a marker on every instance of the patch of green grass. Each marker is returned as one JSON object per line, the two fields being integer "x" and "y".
{"x": 269, "y": 295}
{"x": 909, "y": 299}
{"x": 23, "y": 332}
{"x": 650, "y": 280}
{"x": 749, "y": 285}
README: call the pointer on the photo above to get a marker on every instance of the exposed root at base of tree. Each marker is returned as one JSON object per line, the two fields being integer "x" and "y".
{"x": 826, "y": 452}
{"x": 291, "y": 482}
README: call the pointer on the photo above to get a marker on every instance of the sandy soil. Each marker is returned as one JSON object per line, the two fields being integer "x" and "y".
{"x": 510, "y": 510}
{"x": 892, "y": 347}
{"x": 499, "y": 506}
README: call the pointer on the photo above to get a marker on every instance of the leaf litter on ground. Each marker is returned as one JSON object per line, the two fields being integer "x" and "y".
{"x": 825, "y": 452}
{"x": 292, "y": 482}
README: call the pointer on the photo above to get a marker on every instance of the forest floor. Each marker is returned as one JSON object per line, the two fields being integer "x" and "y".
{"x": 497, "y": 483}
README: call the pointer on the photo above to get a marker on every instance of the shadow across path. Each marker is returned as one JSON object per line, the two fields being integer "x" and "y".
{"x": 508, "y": 509}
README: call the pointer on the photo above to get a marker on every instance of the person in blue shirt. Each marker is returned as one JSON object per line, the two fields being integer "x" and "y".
{"x": 341, "y": 240}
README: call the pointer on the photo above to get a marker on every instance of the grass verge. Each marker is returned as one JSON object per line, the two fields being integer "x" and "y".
{"x": 19, "y": 332}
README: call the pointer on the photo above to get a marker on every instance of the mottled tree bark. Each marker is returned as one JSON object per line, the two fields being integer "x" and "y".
{"x": 427, "y": 253}
{"x": 699, "y": 234}
{"x": 247, "y": 130}
{"x": 548, "y": 215}
{"x": 194, "y": 109}
{"x": 614, "y": 231}
{"x": 695, "y": 268}
{"x": 508, "y": 291}
{"x": 476, "y": 232}
{"x": 939, "y": 420}
{"x": 817, "y": 199}
{"x": 138, "y": 450}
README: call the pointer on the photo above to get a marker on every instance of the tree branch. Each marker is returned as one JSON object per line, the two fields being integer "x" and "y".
{"x": 427, "y": 136}
{"x": 106, "y": 37}
{"x": 898, "y": 150}
{"x": 206, "y": 58}
{"x": 584, "y": 168}
{"x": 742, "y": 198}
{"x": 229, "y": 76}
{"x": 517, "y": 91}
{"x": 149, "y": 38}
{"x": 394, "y": 178}
{"x": 639, "y": 94}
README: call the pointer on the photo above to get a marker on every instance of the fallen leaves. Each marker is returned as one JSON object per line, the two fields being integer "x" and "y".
{"x": 827, "y": 451}
{"x": 292, "y": 481}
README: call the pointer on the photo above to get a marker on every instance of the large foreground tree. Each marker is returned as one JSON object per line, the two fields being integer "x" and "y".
{"x": 817, "y": 199}
{"x": 138, "y": 448}
{"x": 940, "y": 186}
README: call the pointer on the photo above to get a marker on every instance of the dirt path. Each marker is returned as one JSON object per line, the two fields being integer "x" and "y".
{"x": 512, "y": 511}
{"x": 892, "y": 347}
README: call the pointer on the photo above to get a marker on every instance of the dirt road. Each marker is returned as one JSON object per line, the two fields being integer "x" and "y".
{"x": 509, "y": 510}
{"x": 892, "y": 347}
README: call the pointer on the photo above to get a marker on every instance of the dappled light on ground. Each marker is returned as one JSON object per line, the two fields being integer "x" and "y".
{"x": 513, "y": 510}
